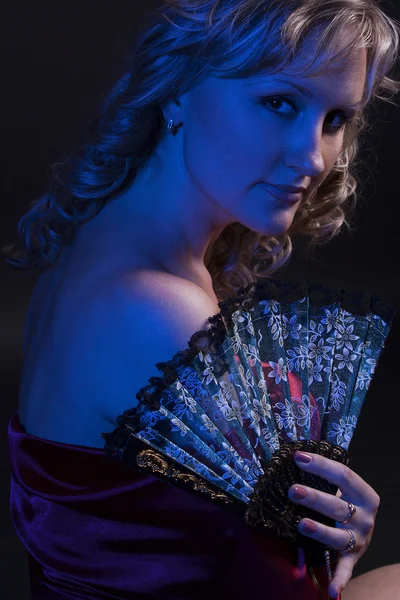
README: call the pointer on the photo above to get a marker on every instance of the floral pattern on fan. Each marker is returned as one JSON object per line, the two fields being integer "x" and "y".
{"x": 320, "y": 355}
{"x": 282, "y": 366}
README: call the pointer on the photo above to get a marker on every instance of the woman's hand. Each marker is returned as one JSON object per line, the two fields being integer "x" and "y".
{"x": 353, "y": 489}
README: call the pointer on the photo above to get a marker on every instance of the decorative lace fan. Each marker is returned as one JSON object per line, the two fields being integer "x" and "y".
{"x": 283, "y": 367}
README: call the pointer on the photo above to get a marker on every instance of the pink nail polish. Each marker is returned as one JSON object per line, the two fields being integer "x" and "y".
{"x": 302, "y": 457}
{"x": 309, "y": 526}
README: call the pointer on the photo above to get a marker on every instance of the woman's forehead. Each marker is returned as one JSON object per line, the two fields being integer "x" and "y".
{"x": 311, "y": 58}
{"x": 307, "y": 64}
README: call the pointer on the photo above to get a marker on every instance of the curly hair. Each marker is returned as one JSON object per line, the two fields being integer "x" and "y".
{"x": 180, "y": 43}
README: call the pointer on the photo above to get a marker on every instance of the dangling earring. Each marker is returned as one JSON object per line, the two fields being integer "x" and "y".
{"x": 170, "y": 126}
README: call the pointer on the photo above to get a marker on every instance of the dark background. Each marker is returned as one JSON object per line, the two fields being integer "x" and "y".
{"x": 57, "y": 58}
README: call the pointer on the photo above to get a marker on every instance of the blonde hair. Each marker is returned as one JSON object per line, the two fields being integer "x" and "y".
{"x": 180, "y": 43}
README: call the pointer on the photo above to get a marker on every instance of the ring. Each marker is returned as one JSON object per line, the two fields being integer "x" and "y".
{"x": 352, "y": 510}
{"x": 352, "y": 541}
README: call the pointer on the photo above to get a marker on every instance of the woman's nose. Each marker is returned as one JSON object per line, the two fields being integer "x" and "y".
{"x": 307, "y": 156}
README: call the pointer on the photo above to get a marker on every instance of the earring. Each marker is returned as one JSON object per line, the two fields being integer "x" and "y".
{"x": 170, "y": 125}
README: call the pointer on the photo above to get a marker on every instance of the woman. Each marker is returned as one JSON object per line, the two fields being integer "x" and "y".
{"x": 169, "y": 208}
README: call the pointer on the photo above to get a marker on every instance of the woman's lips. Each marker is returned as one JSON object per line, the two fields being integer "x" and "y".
{"x": 283, "y": 196}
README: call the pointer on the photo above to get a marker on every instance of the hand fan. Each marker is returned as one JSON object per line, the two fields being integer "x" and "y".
{"x": 283, "y": 367}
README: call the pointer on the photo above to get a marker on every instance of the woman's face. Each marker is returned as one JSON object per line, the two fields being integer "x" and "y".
{"x": 238, "y": 134}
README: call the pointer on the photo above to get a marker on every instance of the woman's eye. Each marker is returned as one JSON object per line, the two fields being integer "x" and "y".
{"x": 272, "y": 101}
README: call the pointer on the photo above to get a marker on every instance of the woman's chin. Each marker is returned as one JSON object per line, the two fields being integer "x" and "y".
{"x": 274, "y": 227}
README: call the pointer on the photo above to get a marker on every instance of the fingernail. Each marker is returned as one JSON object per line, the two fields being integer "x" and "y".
{"x": 302, "y": 457}
{"x": 309, "y": 526}
{"x": 299, "y": 492}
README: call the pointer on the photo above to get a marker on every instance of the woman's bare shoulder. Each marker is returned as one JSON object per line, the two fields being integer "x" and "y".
{"x": 114, "y": 333}
{"x": 154, "y": 317}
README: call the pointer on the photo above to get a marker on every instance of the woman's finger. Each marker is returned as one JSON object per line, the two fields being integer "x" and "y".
{"x": 351, "y": 484}
{"x": 342, "y": 576}
{"x": 331, "y": 537}
{"x": 327, "y": 504}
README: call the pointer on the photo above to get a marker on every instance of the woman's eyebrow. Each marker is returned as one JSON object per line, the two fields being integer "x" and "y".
{"x": 308, "y": 93}
{"x": 305, "y": 91}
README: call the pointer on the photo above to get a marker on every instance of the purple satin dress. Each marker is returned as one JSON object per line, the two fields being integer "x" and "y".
{"x": 95, "y": 529}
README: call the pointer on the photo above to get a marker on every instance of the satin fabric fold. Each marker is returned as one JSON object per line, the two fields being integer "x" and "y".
{"x": 95, "y": 529}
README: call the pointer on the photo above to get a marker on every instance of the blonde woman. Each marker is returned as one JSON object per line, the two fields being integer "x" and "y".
{"x": 235, "y": 124}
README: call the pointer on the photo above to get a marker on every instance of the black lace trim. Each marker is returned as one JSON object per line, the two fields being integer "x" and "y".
{"x": 358, "y": 303}
{"x": 270, "y": 507}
